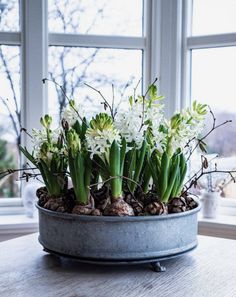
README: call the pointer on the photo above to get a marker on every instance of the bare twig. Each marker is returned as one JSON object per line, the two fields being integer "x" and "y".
{"x": 64, "y": 93}
{"x": 27, "y": 176}
{"x": 197, "y": 177}
{"x": 200, "y": 140}
{"x": 25, "y": 131}
{"x": 106, "y": 103}
{"x": 226, "y": 182}
{"x": 121, "y": 96}
{"x": 200, "y": 170}
{"x": 214, "y": 126}
{"x": 58, "y": 85}
{"x": 11, "y": 171}
{"x": 17, "y": 109}
{"x": 13, "y": 120}
{"x": 152, "y": 84}
{"x": 136, "y": 87}
{"x": 113, "y": 177}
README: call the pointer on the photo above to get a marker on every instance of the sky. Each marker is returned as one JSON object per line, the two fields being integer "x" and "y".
{"x": 214, "y": 70}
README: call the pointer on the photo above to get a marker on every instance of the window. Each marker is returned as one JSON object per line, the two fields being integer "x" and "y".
{"x": 98, "y": 67}
{"x": 10, "y": 105}
{"x": 52, "y": 38}
{"x": 213, "y": 17}
{"x": 181, "y": 42}
{"x": 98, "y": 17}
{"x": 212, "y": 51}
{"x": 9, "y": 21}
{"x": 103, "y": 53}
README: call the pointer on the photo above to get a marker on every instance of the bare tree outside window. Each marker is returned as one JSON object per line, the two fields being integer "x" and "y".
{"x": 101, "y": 68}
{"x": 71, "y": 67}
{"x": 213, "y": 82}
{"x": 9, "y": 100}
{"x": 9, "y": 15}
{"x": 104, "y": 17}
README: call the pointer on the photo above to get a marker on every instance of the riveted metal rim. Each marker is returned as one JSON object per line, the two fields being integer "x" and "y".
{"x": 116, "y": 218}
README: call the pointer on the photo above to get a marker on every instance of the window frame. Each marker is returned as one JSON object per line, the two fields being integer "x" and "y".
{"x": 166, "y": 44}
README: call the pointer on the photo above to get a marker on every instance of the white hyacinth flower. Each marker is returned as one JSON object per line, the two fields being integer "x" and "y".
{"x": 155, "y": 115}
{"x": 73, "y": 112}
{"x": 185, "y": 132}
{"x": 131, "y": 124}
{"x": 39, "y": 137}
{"x": 159, "y": 139}
{"x": 101, "y": 135}
{"x": 99, "y": 142}
{"x": 155, "y": 118}
{"x": 134, "y": 123}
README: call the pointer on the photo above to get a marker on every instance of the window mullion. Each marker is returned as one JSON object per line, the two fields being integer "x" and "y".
{"x": 10, "y": 38}
{"x": 208, "y": 41}
{"x": 65, "y": 39}
{"x": 186, "y": 54}
{"x": 155, "y": 37}
{"x": 170, "y": 47}
{"x": 147, "y": 28}
{"x": 34, "y": 62}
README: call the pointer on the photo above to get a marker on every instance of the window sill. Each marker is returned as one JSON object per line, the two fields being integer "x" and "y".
{"x": 11, "y": 206}
{"x": 223, "y": 226}
{"x": 12, "y": 226}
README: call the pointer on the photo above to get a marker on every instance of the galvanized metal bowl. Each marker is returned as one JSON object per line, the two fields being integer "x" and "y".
{"x": 118, "y": 239}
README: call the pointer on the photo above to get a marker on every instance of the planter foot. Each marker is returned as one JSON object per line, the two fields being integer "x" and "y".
{"x": 156, "y": 266}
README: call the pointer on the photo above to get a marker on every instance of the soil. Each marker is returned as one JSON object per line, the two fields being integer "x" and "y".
{"x": 101, "y": 203}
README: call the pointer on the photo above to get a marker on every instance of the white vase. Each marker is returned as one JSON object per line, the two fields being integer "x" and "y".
{"x": 30, "y": 198}
{"x": 210, "y": 204}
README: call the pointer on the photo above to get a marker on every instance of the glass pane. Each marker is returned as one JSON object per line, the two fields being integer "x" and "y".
{"x": 9, "y": 15}
{"x": 214, "y": 17}
{"x": 213, "y": 82}
{"x": 72, "y": 67}
{"x": 104, "y": 17}
{"x": 9, "y": 118}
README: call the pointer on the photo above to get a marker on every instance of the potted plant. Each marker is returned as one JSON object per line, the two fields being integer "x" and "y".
{"x": 129, "y": 201}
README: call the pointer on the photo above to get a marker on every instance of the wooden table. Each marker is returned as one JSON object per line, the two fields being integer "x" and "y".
{"x": 27, "y": 271}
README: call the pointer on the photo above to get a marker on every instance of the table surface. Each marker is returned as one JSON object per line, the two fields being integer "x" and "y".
{"x": 27, "y": 271}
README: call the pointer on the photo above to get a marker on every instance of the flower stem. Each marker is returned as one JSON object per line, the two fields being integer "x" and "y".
{"x": 116, "y": 182}
{"x": 139, "y": 165}
{"x": 79, "y": 177}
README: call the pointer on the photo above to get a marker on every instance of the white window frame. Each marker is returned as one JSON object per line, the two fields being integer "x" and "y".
{"x": 166, "y": 47}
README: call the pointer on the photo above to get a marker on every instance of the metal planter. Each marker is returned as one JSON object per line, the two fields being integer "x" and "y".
{"x": 118, "y": 239}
